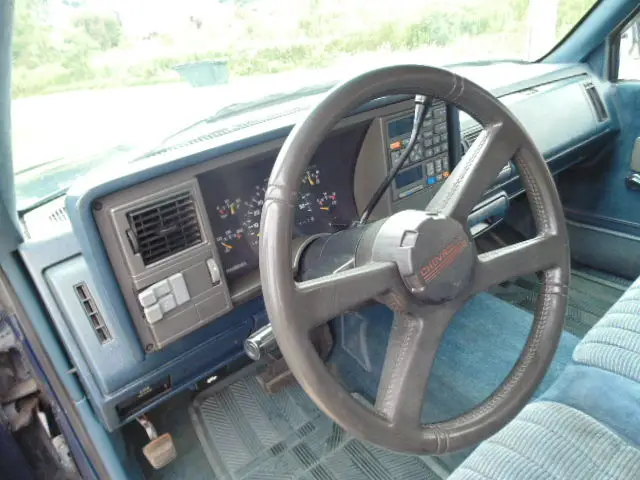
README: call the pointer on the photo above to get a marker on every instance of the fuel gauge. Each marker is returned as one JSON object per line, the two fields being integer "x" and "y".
{"x": 311, "y": 177}
{"x": 228, "y": 240}
{"x": 228, "y": 207}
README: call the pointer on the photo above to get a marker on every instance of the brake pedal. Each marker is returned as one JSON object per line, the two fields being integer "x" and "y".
{"x": 160, "y": 451}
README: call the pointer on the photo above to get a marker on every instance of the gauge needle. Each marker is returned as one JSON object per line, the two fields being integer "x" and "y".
{"x": 226, "y": 245}
{"x": 311, "y": 182}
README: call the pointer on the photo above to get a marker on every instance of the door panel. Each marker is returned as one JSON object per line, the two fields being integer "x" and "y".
{"x": 603, "y": 212}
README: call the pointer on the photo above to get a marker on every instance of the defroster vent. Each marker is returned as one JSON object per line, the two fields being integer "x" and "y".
{"x": 91, "y": 311}
{"x": 596, "y": 101}
{"x": 164, "y": 228}
{"x": 469, "y": 137}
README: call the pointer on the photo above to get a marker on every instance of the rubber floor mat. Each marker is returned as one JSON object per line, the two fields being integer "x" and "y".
{"x": 248, "y": 434}
{"x": 591, "y": 294}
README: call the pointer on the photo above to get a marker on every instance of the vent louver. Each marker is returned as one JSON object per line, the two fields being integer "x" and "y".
{"x": 596, "y": 102}
{"x": 468, "y": 138}
{"x": 164, "y": 228}
{"x": 91, "y": 311}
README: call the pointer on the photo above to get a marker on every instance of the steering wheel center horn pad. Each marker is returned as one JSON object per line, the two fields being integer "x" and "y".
{"x": 434, "y": 254}
{"x": 421, "y": 264}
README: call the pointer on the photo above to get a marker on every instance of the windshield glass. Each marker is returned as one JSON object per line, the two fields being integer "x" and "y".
{"x": 93, "y": 81}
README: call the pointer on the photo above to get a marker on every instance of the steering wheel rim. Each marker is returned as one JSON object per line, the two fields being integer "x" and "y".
{"x": 421, "y": 316}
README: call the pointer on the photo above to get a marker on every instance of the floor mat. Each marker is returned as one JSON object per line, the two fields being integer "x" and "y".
{"x": 476, "y": 354}
{"x": 591, "y": 294}
{"x": 247, "y": 434}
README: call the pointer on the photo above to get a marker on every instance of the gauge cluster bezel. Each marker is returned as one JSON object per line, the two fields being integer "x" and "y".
{"x": 325, "y": 203}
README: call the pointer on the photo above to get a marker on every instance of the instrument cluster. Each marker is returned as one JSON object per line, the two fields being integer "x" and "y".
{"x": 234, "y": 198}
{"x": 315, "y": 209}
{"x": 233, "y": 195}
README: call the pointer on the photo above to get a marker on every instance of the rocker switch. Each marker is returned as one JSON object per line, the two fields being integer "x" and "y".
{"x": 153, "y": 313}
{"x": 214, "y": 271}
{"x": 179, "y": 288}
{"x": 147, "y": 298}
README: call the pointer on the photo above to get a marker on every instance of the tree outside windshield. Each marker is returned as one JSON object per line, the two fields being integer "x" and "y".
{"x": 92, "y": 78}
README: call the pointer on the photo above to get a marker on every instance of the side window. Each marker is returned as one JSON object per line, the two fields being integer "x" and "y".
{"x": 629, "y": 58}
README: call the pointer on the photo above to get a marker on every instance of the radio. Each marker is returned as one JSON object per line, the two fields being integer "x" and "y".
{"x": 428, "y": 164}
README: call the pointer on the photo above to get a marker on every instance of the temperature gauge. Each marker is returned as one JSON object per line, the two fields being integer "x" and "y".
{"x": 251, "y": 221}
{"x": 327, "y": 202}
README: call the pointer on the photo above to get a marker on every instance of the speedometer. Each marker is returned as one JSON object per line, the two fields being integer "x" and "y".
{"x": 251, "y": 220}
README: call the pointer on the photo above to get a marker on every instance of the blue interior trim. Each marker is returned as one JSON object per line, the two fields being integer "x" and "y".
{"x": 10, "y": 233}
{"x": 603, "y": 221}
{"x": 80, "y": 197}
{"x": 609, "y": 398}
{"x": 59, "y": 361}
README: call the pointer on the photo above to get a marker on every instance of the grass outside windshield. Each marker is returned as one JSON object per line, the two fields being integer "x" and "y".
{"x": 69, "y": 45}
{"x": 91, "y": 79}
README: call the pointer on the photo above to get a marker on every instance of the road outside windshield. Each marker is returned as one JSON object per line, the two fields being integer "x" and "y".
{"x": 95, "y": 79}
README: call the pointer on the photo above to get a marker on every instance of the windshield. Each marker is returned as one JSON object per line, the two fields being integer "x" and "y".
{"x": 93, "y": 81}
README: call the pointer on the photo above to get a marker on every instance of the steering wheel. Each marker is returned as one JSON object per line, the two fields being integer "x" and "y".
{"x": 421, "y": 264}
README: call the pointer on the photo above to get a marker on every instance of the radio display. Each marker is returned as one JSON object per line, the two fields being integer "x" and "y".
{"x": 409, "y": 176}
{"x": 400, "y": 127}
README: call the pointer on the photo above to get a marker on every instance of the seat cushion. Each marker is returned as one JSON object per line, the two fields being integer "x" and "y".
{"x": 549, "y": 440}
{"x": 587, "y": 425}
{"x": 613, "y": 344}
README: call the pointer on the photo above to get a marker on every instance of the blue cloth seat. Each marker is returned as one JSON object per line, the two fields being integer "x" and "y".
{"x": 587, "y": 425}
{"x": 613, "y": 344}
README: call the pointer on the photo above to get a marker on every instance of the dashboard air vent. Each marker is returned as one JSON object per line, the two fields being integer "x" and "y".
{"x": 596, "y": 101}
{"x": 468, "y": 138}
{"x": 91, "y": 311}
{"x": 164, "y": 228}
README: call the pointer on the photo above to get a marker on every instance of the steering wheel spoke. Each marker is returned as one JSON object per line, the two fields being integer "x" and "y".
{"x": 411, "y": 351}
{"x": 475, "y": 173}
{"x": 529, "y": 256}
{"x": 322, "y": 299}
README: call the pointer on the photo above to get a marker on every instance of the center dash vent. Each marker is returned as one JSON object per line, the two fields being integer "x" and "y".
{"x": 596, "y": 101}
{"x": 468, "y": 138}
{"x": 91, "y": 311}
{"x": 164, "y": 228}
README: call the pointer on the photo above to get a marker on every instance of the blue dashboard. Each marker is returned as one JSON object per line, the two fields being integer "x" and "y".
{"x": 88, "y": 284}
